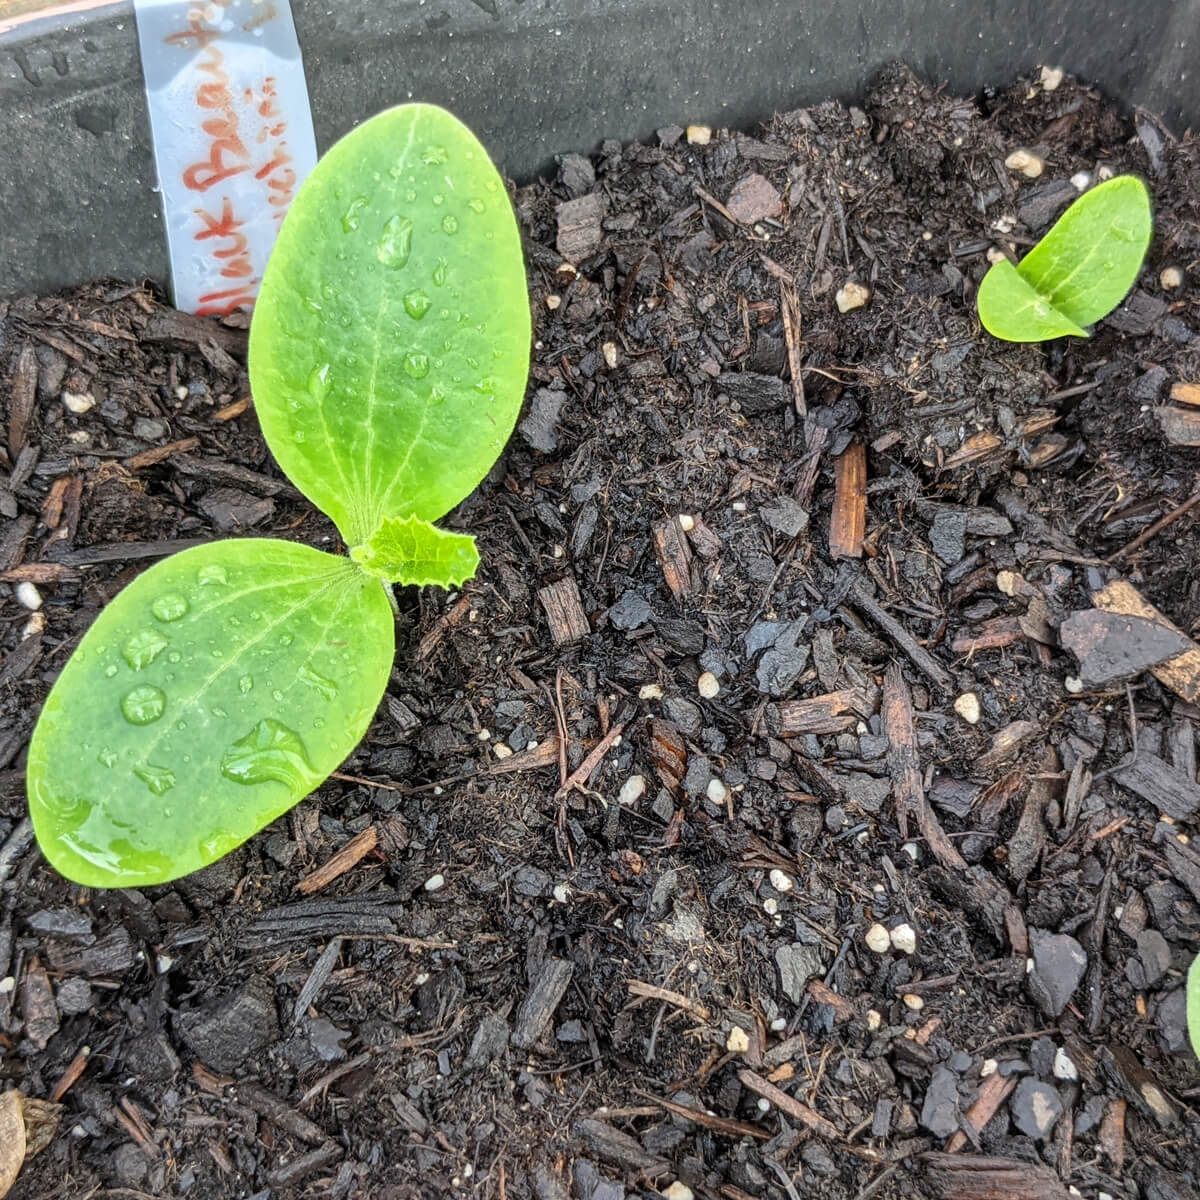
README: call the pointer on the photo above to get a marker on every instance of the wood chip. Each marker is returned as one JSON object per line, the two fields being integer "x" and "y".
{"x": 980, "y": 1177}
{"x": 833, "y": 712}
{"x": 157, "y": 454}
{"x": 12, "y": 1139}
{"x": 790, "y": 1106}
{"x": 38, "y": 1008}
{"x": 547, "y": 989}
{"x": 993, "y": 1092}
{"x": 674, "y": 556}
{"x": 40, "y": 572}
{"x": 564, "y": 611}
{"x": 722, "y": 1125}
{"x": 431, "y": 640}
{"x": 1112, "y": 1134}
{"x": 1160, "y": 784}
{"x": 904, "y": 766}
{"x": 668, "y": 753}
{"x": 22, "y": 391}
{"x": 789, "y": 307}
{"x": 1186, "y": 393}
{"x": 990, "y": 635}
{"x": 1181, "y": 674}
{"x": 703, "y": 540}
{"x": 1180, "y": 426}
{"x": 233, "y": 409}
{"x": 1006, "y": 743}
{"x": 582, "y": 773}
{"x": 847, "y": 523}
{"x": 822, "y": 993}
{"x": 344, "y": 860}
{"x": 978, "y": 446}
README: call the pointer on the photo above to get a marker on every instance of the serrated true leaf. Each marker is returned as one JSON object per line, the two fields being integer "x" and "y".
{"x": 1079, "y": 272}
{"x": 411, "y": 551}
{"x": 390, "y": 342}
{"x": 218, "y": 689}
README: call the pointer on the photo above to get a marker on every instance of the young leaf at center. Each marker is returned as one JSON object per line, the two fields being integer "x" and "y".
{"x": 411, "y": 551}
{"x": 217, "y": 690}
{"x": 1079, "y": 272}
{"x": 390, "y": 344}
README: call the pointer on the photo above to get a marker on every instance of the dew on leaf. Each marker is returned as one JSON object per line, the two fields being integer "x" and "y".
{"x": 492, "y": 185}
{"x": 395, "y": 243}
{"x": 351, "y": 215}
{"x": 476, "y": 205}
{"x": 410, "y": 194}
{"x": 416, "y": 364}
{"x": 159, "y": 780}
{"x": 277, "y": 695}
{"x": 438, "y": 198}
{"x": 170, "y": 606}
{"x": 449, "y": 224}
{"x": 325, "y": 688}
{"x": 297, "y": 435}
{"x": 214, "y": 573}
{"x": 439, "y": 273}
{"x": 245, "y": 684}
{"x": 436, "y": 395}
{"x": 318, "y": 382}
{"x": 286, "y": 639}
{"x": 143, "y": 648}
{"x": 328, "y": 291}
{"x": 144, "y": 705}
{"x": 416, "y": 303}
{"x": 219, "y": 712}
{"x": 270, "y": 751}
{"x": 107, "y": 757}
{"x": 111, "y": 670}
{"x": 174, "y": 656}
{"x": 434, "y": 156}
{"x": 312, "y": 304}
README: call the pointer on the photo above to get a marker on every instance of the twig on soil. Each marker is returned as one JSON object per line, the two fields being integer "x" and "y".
{"x": 723, "y": 1125}
{"x": 789, "y": 308}
{"x": 650, "y": 992}
{"x": 790, "y": 1105}
{"x": 430, "y": 642}
{"x": 847, "y": 522}
{"x": 16, "y": 845}
{"x": 905, "y": 769}
{"x": 861, "y": 597}
{"x": 993, "y": 1092}
{"x": 579, "y": 776}
{"x": 157, "y": 454}
{"x": 70, "y": 1076}
{"x": 357, "y": 848}
{"x": 1154, "y": 530}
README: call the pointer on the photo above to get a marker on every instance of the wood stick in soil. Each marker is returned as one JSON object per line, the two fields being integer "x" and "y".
{"x": 904, "y": 766}
{"x": 847, "y": 523}
{"x": 357, "y": 848}
{"x": 860, "y": 597}
{"x": 794, "y": 1108}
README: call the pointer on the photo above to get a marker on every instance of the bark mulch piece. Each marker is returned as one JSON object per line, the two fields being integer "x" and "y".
{"x": 585, "y": 914}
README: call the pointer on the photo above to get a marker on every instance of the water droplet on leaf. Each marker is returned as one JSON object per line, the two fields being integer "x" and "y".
{"x": 395, "y": 244}
{"x": 277, "y": 695}
{"x": 245, "y": 684}
{"x": 143, "y": 648}
{"x": 416, "y": 303}
{"x": 434, "y": 156}
{"x": 476, "y": 205}
{"x": 286, "y": 639}
{"x": 170, "y": 607}
{"x": 318, "y": 382}
{"x": 325, "y": 688}
{"x": 107, "y": 758}
{"x": 449, "y": 224}
{"x": 351, "y": 215}
{"x": 110, "y": 670}
{"x": 270, "y": 751}
{"x": 214, "y": 573}
{"x": 159, "y": 780}
{"x": 416, "y": 364}
{"x": 439, "y": 273}
{"x": 143, "y": 705}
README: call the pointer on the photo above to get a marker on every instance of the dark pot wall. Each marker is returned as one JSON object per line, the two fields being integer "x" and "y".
{"x": 534, "y": 78}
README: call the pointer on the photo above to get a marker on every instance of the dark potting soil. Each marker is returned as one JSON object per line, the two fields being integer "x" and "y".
{"x": 569, "y": 924}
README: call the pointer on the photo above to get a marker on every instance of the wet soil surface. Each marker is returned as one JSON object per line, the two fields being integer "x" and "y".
{"x": 780, "y": 812}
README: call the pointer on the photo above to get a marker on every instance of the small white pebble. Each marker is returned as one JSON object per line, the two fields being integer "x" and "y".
{"x": 1029, "y": 966}
{"x": 632, "y": 790}
{"x": 500, "y": 750}
{"x": 566, "y": 268}
{"x": 738, "y": 1041}
{"x": 423, "y": 977}
{"x": 484, "y": 734}
{"x": 1004, "y": 224}
{"x": 763, "y": 1104}
{"x": 912, "y": 850}
{"x": 913, "y": 1002}
{"x": 163, "y": 963}
{"x": 687, "y": 522}
{"x": 1170, "y": 278}
{"x": 1051, "y": 78}
{"x": 778, "y": 1025}
{"x": 904, "y": 939}
{"x": 1073, "y": 684}
{"x": 79, "y": 402}
{"x": 1029, "y": 164}
{"x": 1103, "y": 172}
{"x": 1064, "y": 1067}
{"x": 874, "y": 1019}
{"x": 1081, "y": 181}
{"x": 531, "y": 744}
{"x": 650, "y": 691}
{"x": 561, "y": 893}
{"x": 851, "y": 295}
{"x": 878, "y": 939}
{"x": 738, "y": 506}
{"x": 926, "y": 236}
{"x": 468, "y": 1170}
{"x": 678, "y": 1191}
{"x": 995, "y": 255}
{"x": 1007, "y": 582}
{"x": 181, "y": 392}
{"x": 435, "y": 883}
{"x": 79, "y": 437}
{"x": 781, "y": 881}
{"x": 35, "y": 625}
{"x": 989, "y": 1067}
{"x": 609, "y": 350}
{"x": 553, "y": 301}
{"x": 28, "y": 596}
{"x": 717, "y": 792}
{"x": 967, "y": 707}
{"x": 559, "y": 551}
{"x": 770, "y": 906}
{"x": 699, "y": 135}
{"x": 707, "y": 686}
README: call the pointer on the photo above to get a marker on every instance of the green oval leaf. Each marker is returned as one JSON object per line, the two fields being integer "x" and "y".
{"x": 412, "y": 551}
{"x": 390, "y": 343}
{"x": 217, "y": 690}
{"x": 1079, "y": 272}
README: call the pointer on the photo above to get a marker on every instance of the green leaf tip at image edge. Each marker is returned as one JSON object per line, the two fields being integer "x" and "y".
{"x": 1193, "y": 1005}
{"x": 411, "y": 551}
{"x": 1077, "y": 273}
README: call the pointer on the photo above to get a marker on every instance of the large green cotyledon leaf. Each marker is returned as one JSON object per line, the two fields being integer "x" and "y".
{"x": 211, "y": 695}
{"x": 390, "y": 343}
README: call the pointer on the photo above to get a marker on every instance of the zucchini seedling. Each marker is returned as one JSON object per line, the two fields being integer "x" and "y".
{"x": 1079, "y": 272}
{"x": 389, "y": 351}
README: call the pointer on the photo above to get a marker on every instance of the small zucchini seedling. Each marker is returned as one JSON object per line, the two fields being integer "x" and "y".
{"x": 1079, "y": 272}
{"x": 389, "y": 351}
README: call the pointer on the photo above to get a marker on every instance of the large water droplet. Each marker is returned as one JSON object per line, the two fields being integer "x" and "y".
{"x": 416, "y": 364}
{"x": 159, "y": 780}
{"x": 416, "y": 303}
{"x": 439, "y": 273}
{"x": 449, "y": 224}
{"x": 325, "y": 688}
{"x": 476, "y": 205}
{"x": 214, "y": 573}
{"x": 143, "y": 705}
{"x": 107, "y": 757}
{"x": 395, "y": 243}
{"x": 245, "y": 684}
{"x": 318, "y": 382}
{"x": 170, "y": 606}
{"x": 270, "y": 751}
{"x": 351, "y": 215}
{"x": 143, "y": 648}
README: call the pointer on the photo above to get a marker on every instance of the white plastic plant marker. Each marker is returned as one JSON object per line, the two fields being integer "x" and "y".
{"x": 233, "y": 138}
